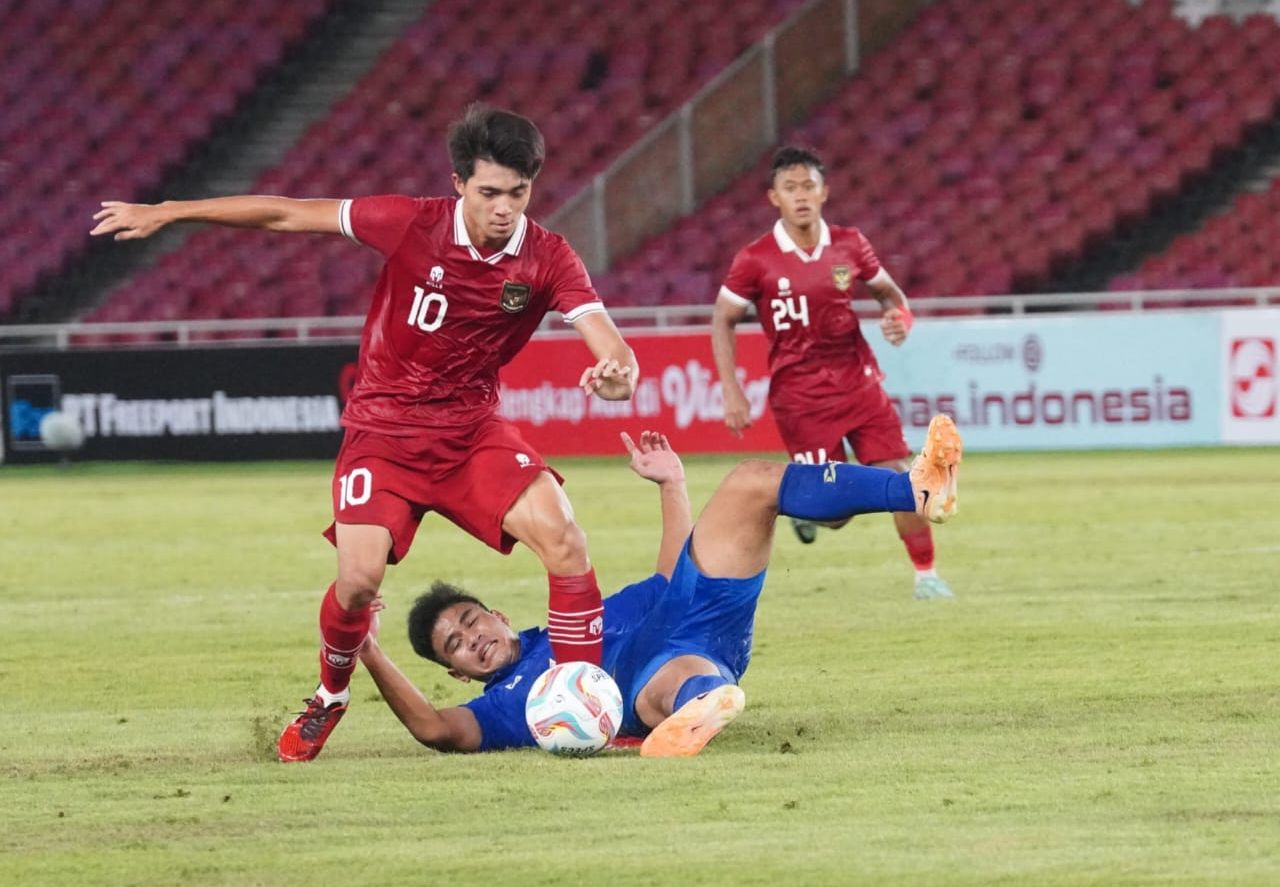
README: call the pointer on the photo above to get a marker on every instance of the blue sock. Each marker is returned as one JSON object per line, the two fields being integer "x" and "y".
{"x": 837, "y": 490}
{"x": 696, "y": 686}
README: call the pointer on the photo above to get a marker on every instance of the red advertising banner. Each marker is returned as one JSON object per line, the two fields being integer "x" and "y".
{"x": 679, "y": 395}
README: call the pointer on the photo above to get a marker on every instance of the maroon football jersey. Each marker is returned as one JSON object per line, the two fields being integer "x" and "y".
{"x": 444, "y": 319}
{"x": 804, "y": 303}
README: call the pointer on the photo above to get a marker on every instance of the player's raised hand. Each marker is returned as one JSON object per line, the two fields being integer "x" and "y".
{"x": 607, "y": 379}
{"x": 653, "y": 458}
{"x": 895, "y": 323}
{"x": 737, "y": 412}
{"x": 128, "y": 221}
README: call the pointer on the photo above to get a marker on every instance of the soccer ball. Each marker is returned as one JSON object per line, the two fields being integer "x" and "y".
{"x": 61, "y": 433}
{"x": 574, "y": 708}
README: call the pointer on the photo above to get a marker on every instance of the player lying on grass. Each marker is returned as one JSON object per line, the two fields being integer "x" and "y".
{"x": 678, "y": 642}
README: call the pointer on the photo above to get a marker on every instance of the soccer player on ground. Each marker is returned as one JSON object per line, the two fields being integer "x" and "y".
{"x": 466, "y": 282}
{"x": 825, "y": 388}
{"x": 678, "y": 642}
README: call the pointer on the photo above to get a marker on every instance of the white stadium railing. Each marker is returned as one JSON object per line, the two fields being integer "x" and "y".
{"x": 295, "y": 330}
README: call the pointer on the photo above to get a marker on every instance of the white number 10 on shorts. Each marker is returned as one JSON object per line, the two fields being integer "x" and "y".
{"x": 355, "y": 487}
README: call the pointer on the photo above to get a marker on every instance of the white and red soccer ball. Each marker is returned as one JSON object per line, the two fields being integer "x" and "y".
{"x": 574, "y": 708}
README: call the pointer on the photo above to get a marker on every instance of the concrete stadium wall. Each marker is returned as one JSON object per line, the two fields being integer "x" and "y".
{"x": 879, "y": 21}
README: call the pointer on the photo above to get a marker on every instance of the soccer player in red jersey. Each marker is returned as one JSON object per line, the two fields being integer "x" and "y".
{"x": 466, "y": 282}
{"x": 825, "y": 388}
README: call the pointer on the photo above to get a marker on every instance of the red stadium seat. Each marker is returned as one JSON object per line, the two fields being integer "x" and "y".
{"x": 1232, "y": 249}
{"x": 120, "y": 92}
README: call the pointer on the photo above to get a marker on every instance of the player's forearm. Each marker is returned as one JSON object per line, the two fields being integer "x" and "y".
{"x": 724, "y": 348}
{"x": 616, "y": 371}
{"x": 256, "y": 211}
{"x": 677, "y": 522}
{"x": 413, "y": 709}
{"x": 886, "y": 291}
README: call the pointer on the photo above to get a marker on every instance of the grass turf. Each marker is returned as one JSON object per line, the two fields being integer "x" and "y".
{"x": 1099, "y": 704}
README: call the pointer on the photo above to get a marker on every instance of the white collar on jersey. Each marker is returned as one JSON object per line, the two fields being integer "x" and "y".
{"x": 787, "y": 245}
{"x": 462, "y": 238}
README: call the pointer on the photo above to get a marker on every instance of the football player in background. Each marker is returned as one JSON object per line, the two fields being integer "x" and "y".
{"x": 466, "y": 282}
{"x": 678, "y": 642}
{"x": 825, "y": 385}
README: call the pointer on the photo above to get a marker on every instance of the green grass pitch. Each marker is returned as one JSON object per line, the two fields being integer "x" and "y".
{"x": 1100, "y": 704}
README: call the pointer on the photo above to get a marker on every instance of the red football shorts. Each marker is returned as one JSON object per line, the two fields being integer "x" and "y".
{"x": 864, "y": 416}
{"x": 470, "y": 475}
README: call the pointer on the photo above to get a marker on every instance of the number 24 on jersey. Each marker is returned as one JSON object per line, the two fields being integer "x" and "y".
{"x": 788, "y": 310}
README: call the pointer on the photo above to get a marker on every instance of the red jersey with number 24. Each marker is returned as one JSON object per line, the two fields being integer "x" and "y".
{"x": 816, "y": 347}
{"x": 444, "y": 317}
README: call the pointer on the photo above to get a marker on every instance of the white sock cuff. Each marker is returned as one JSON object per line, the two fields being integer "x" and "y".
{"x": 329, "y": 698}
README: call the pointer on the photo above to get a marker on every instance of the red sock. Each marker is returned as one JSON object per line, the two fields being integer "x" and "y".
{"x": 342, "y": 632}
{"x": 920, "y": 548}
{"x": 575, "y": 618}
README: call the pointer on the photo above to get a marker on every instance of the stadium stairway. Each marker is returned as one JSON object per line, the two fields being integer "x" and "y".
{"x": 334, "y": 55}
{"x": 1247, "y": 168}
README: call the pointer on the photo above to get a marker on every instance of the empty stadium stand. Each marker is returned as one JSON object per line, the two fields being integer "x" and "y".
{"x": 993, "y": 142}
{"x": 593, "y": 78}
{"x": 1236, "y": 248}
{"x": 992, "y": 147}
{"x": 103, "y": 98}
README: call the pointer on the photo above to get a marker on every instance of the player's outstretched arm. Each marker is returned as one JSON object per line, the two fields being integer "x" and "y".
{"x": 654, "y": 459}
{"x": 134, "y": 221}
{"x": 724, "y": 345}
{"x": 616, "y": 372}
{"x": 444, "y": 729}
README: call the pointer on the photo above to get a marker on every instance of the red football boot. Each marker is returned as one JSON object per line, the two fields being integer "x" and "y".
{"x": 303, "y": 739}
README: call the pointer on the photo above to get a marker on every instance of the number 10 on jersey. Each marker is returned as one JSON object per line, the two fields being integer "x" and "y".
{"x": 788, "y": 309}
{"x": 428, "y": 310}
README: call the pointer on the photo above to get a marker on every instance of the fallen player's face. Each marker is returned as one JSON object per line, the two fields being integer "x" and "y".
{"x": 473, "y": 641}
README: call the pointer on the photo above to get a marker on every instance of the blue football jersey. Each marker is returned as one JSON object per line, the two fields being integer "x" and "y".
{"x": 500, "y": 709}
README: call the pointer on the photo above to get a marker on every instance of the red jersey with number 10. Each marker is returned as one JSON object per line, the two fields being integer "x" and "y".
{"x": 804, "y": 301}
{"x": 444, "y": 318}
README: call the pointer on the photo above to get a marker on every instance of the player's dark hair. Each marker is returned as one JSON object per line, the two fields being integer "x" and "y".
{"x": 484, "y": 132}
{"x": 426, "y": 611}
{"x": 791, "y": 155}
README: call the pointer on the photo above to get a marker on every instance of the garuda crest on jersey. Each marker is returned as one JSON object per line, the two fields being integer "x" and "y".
{"x": 842, "y": 277}
{"x": 515, "y": 296}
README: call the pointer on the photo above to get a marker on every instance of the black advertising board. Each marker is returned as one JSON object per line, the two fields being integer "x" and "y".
{"x": 229, "y": 403}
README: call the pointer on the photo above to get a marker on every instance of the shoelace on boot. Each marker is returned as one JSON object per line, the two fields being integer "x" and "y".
{"x": 314, "y": 719}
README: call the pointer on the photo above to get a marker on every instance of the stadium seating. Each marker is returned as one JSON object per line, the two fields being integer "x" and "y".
{"x": 1236, "y": 248}
{"x": 101, "y": 98}
{"x": 992, "y": 142}
{"x": 594, "y": 77}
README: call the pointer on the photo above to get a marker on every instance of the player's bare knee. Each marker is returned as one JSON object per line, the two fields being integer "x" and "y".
{"x": 358, "y": 584}
{"x": 757, "y": 479}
